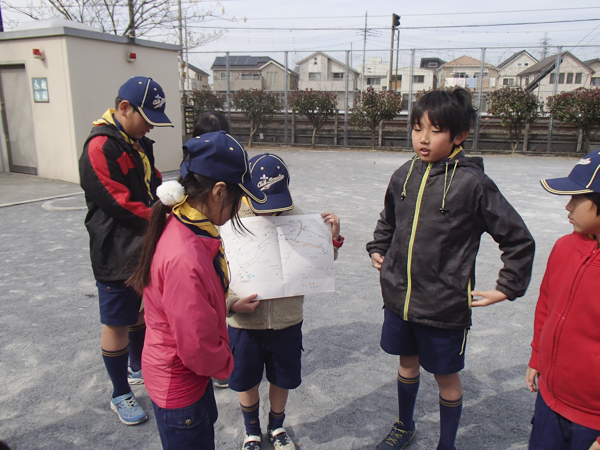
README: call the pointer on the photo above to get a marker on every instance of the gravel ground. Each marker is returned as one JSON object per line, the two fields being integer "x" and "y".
{"x": 54, "y": 391}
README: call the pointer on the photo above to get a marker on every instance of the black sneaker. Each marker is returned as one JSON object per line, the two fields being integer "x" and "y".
{"x": 397, "y": 438}
{"x": 252, "y": 442}
{"x": 280, "y": 439}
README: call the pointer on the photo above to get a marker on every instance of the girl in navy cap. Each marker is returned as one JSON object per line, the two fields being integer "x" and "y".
{"x": 184, "y": 279}
{"x": 267, "y": 334}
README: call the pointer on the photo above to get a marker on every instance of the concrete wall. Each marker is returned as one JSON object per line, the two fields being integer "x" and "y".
{"x": 84, "y": 76}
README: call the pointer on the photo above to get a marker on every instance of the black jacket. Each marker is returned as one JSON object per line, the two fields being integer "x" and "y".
{"x": 112, "y": 176}
{"x": 429, "y": 232}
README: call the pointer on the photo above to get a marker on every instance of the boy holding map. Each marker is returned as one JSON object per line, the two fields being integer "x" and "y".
{"x": 267, "y": 333}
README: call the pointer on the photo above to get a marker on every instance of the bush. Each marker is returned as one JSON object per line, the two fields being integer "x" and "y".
{"x": 257, "y": 105}
{"x": 317, "y": 106}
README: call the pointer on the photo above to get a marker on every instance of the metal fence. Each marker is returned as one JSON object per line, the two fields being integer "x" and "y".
{"x": 483, "y": 70}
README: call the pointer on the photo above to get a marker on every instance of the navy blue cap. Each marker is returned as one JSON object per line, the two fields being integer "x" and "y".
{"x": 583, "y": 179}
{"x": 148, "y": 98}
{"x": 270, "y": 175}
{"x": 220, "y": 157}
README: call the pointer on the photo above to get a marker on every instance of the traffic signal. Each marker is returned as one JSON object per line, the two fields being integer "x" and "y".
{"x": 396, "y": 20}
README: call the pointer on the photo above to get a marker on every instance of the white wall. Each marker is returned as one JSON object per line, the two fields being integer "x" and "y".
{"x": 84, "y": 76}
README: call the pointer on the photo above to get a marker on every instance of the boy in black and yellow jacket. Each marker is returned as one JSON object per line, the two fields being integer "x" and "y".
{"x": 425, "y": 244}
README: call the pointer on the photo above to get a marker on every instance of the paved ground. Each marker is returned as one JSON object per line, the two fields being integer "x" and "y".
{"x": 54, "y": 391}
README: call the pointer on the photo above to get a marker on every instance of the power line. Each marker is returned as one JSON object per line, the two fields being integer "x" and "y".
{"x": 432, "y": 27}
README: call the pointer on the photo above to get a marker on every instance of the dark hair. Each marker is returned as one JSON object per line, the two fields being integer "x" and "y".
{"x": 197, "y": 188}
{"x": 118, "y": 101}
{"x": 209, "y": 122}
{"x": 4, "y": 446}
{"x": 595, "y": 198}
{"x": 448, "y": 110}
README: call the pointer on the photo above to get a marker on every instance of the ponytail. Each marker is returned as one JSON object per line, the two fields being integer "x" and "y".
{"x": 141, "y": 275}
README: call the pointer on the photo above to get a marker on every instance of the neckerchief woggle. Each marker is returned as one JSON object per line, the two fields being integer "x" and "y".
{"x": 201, "y": 226}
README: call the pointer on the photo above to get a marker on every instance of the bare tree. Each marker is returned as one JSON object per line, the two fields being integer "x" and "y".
{"x": 135, "y": 18}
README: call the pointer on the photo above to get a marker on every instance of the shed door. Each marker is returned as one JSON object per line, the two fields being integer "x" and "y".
{"x": 17, "y": 119}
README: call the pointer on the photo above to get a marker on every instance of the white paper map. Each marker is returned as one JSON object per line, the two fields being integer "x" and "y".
{"x": 285, "y": 256}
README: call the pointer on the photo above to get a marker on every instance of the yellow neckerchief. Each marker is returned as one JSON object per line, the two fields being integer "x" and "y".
{"x": 201, "y": 226}
{"x": 108, "y": 119}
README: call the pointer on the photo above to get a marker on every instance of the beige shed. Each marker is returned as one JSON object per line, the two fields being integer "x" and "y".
{"x": 57, "y": 77}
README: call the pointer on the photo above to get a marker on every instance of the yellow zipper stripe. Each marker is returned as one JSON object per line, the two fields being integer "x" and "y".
{"x": 412, "y": 239}
{"x": 469, "y": 296}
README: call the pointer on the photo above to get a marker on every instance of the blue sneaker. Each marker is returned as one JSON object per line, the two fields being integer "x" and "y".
{"x": 128, "y": 409}
{"x": 134, "y": 377}
{"x": 398, "y": 438}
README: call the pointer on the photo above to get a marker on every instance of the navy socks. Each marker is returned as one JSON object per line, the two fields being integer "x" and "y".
{"x": 407, "y": 397}
{"x": 276, "y": 420}
{"x": 251, "y": 420}
{"x": 137, "y": 335}
{"x": 116, "y": 366}
{"x": 450, "y": 412}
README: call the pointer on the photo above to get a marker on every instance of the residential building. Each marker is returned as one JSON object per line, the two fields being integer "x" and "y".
{"x": 321, "y": 72}
{"x": 422, "y": 80}
{"x": 58, "y": 76}
{"x": 376, "y": 74}
{"x": 594, "y": 64}
{"x": 251, "y": 72}
{"x": 196, "y": 78}
{"x": 465, "y": 71}
{"x": 574, "y": 74}
{"x": 512, "y": 66}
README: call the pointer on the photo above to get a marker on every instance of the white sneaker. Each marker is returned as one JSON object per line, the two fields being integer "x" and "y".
{"x": 280, "y": 439}
{"x": 252, "y": 442}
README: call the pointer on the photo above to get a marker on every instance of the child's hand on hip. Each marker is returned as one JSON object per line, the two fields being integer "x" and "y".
{"x": 246, "y": 305}
{"x": 487, "y": 297}
{"x": 334, "y": 220}
{"x": 377, "y": 260}
{"x": 530, "y": 376}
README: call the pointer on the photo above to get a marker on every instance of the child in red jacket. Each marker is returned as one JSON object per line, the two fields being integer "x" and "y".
{"x": 565, "y": 359}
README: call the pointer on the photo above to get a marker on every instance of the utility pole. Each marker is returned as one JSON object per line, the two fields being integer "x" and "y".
{"x": 362, "y": 84}
{"x": 131, "y": 18}
{"x": 1, "y": 23}
{"x": 180, "y": 45}
{"x": 395, "y": 23}
{"x": 397, "y": 55}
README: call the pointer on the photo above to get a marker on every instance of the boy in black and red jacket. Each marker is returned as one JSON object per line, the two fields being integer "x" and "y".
{"x": 118, "y": 176}
{"x": 565, "y": 357}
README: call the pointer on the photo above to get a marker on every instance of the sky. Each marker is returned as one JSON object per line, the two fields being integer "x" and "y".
{"x": 433, "y": 27}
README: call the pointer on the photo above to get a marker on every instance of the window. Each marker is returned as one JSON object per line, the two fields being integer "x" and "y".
{"x": 271, "y": 78}
{"x": 595, "y": 81}
{"x": 223, "y": 75}
{"x": 432, "y": 64}
{"x": 314, "y": 76}
{"x": 476, "y": 74}
{"x": 337, "y": 75}
{"x": 569, "y": 78}
{"x": 249, "y": 76}
{"x": 373, "y": 81}
{"x": 526, "y": 64}
{"x": 418, "y": 78}
{"x": 526, "y": 80}
{"x": 519, "y": 64}
{"x": 561, "y": 78}
{"x": 460, "y": 75}
{"x": 508, "y": 82}
{"x": 578, "y": 77}
{"x": 315, "y": 61}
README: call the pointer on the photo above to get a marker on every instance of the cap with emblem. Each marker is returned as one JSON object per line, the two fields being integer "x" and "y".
{"x": 148, "y": 98}
{"x": 220, "y": 157}
{"x": 583, "y": 179}
{"x": 270, "y": 175}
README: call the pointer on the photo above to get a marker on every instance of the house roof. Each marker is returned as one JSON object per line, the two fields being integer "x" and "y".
{"x": 513, "y": 57}
{"x": 427, "y": 60}
{"x": 242, "y": 61}
{"x": 197, "y": 70}
{"x": 548, "y": 63}
{"x": 591, "y": 61}
{"x": 328, "y": 57}
{"x": 465, "y": 60}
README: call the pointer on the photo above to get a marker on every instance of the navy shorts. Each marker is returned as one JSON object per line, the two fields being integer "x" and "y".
{"x": 119, "y": 304}
{"x": 279, "y": 351}
{"x": 551, "y": 431}
{"x": 188, "y": 428}
{"x": 441, "y": 351}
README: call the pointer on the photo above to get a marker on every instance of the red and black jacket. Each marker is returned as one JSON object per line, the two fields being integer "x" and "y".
{"x": 112, "y": 177}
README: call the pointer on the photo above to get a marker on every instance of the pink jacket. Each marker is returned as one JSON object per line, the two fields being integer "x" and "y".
{"x": 566, "y": 340}
{"x": 186, "y": 335}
